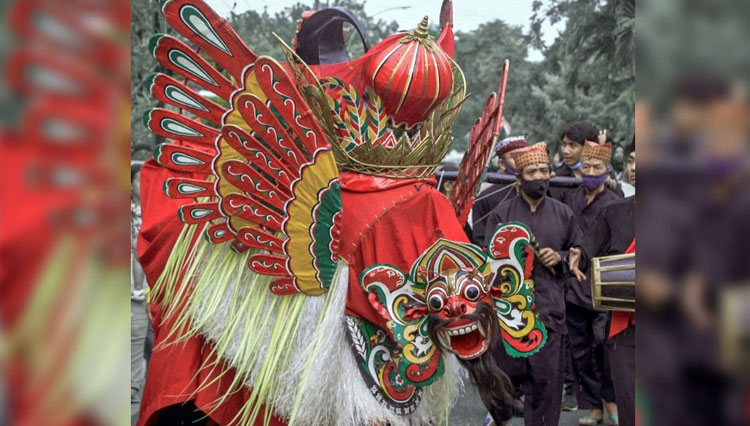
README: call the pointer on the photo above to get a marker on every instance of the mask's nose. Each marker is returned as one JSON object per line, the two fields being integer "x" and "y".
{"x": 455, "y": 307}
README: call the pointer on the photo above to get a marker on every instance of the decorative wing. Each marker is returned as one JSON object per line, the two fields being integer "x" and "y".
{"x": 265, "y": 176}
{"x": 482, "y": 139}
{"x": 512, "y": 259}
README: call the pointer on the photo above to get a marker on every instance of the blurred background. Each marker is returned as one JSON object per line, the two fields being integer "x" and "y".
{"x": 67, "y": 130}
{"x": 64, "y": 238}
{"x": 692, "y": 123}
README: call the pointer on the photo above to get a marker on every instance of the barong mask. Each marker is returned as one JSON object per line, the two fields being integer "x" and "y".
{"x": 441, "y": 305}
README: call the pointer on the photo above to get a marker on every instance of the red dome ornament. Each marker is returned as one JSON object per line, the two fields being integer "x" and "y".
{"x": 411, "y": 74}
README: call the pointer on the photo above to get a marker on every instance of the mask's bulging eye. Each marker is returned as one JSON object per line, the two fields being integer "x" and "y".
{"x": 472, "y": 292}
{"x": 436, "y": 302}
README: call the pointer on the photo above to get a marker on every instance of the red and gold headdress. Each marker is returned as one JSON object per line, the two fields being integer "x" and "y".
{"x": 400, "y": 124}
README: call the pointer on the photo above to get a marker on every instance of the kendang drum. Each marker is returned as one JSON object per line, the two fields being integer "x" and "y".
{"x": 613, "y": 282}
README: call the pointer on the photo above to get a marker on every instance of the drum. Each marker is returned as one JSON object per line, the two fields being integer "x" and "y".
{"x": 613, "y": 282}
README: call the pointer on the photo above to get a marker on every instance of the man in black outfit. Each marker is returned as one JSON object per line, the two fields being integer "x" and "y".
{"x": 612, "y": 233}
{"x": 495, "y": 193}
{"x": 587, "y": 326}
{"x": 540, "y": 376}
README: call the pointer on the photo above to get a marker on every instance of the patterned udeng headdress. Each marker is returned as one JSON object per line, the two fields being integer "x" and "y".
{"x": 533, "y": 154}
{"x": 598, "y": 151}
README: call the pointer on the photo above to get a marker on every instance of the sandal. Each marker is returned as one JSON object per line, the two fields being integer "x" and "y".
{"x": 590, "y": 420}
{"x": 614, "y": 419}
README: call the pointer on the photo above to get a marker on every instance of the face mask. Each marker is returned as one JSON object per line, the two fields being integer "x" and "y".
{"x": 721, "y": 167}
{"x": 535, "y": 188}
{"x": 593, "y": 182}
{"x": 576, "y": 166}
{"x": 509, "y": 169}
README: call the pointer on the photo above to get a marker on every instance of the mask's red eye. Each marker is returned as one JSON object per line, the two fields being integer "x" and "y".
{"x": 472, "y": 292}
{"x": 436, "y": 302}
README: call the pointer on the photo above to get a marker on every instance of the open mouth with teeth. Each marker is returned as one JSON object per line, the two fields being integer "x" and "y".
{"x": 465, "y": 338}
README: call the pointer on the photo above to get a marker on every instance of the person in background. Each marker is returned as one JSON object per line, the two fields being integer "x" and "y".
{"x": 495, "y": 193}
{"x": 618, "y": 158}
{"x": 586, "y": 326}
{"x": 557, "y": 161}
{"x": 612, "y": 233}
{"x": 627, "y": 177}
{"x": 540, "y": 376}
{"x": 573, "y": 136}
{"x": 138, "y": 316}
{"x": 445, "y": 185}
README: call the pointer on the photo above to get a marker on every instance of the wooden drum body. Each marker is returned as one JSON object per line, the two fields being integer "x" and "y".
{"x": 613, "y": 282}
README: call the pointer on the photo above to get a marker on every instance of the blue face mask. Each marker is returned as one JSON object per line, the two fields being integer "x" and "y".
{"x": 593, "y": 182}
{"x": 510, "y": 170}
{"x": 576, "y": 166}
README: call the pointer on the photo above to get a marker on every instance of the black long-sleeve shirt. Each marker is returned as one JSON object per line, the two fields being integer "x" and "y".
{"x": 611, "y": 233}
{"x": 487, "y": 200}
{"x": 553, "y": 225}
{"x": 587, "y": 216}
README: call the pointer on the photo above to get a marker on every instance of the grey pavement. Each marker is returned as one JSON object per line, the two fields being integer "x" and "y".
{"x": 469, "y": 411}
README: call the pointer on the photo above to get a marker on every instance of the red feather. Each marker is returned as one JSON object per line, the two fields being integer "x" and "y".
{"x": 206, "y": 29}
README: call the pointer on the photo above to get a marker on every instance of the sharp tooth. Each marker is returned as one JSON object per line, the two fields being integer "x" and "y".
{"x": 481, "y": 330}
{"x": 444, "y": 339}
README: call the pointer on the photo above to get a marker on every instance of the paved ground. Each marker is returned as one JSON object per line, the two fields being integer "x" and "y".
{"x": 469, "y": 411}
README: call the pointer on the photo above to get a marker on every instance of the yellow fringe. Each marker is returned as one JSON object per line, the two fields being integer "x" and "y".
{"x": 195, "y": 283}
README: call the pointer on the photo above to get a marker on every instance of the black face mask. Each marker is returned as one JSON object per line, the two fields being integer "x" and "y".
{"x": 535, "y": 188}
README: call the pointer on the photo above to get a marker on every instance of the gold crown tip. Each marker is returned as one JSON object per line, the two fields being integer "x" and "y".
{"x": 422, "y": 30}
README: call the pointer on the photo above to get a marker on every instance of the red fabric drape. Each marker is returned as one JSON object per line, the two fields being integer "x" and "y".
{"x": 174, "y": 370}
{"x": 389, "y": 221}
{"x": 385, "y": 221}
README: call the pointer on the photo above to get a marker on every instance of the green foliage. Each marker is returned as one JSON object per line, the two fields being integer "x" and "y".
{"x": 256, "y": 27}
{"x": 480, "y": 54}
{"x": 587, "y": 73}
{"x": 146, "y": 20}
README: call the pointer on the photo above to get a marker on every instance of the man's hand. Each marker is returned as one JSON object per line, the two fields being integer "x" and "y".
{"x": 549, "y": 257}
{"x": 574, "y": 258}
{"x": 602, "y": 136}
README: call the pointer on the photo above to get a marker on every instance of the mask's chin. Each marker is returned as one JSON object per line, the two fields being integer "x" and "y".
{"x": 465, "y": 338}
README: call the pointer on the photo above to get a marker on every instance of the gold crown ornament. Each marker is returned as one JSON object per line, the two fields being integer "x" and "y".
{"x": 401, "y": 125}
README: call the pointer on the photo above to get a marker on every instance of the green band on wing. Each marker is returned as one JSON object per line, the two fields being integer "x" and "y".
{"x": 329, "y": 206}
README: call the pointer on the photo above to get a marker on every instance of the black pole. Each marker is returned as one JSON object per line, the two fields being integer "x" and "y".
{"x": 502, "y": 178}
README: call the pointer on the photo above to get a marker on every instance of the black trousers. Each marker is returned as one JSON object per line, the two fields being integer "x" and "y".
{"x": 569, "y": 382}
{"x": 586, "y": 332}
{"x": 540, "y": 379}
{"x": 621, "y": 352}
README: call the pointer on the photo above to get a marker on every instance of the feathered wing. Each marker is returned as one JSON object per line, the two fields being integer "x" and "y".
{"x": 266, "y": 201}
{"x": 512, "y": 260}
{"x": 269, "y": 179}
{"x": 482, "y": 138}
